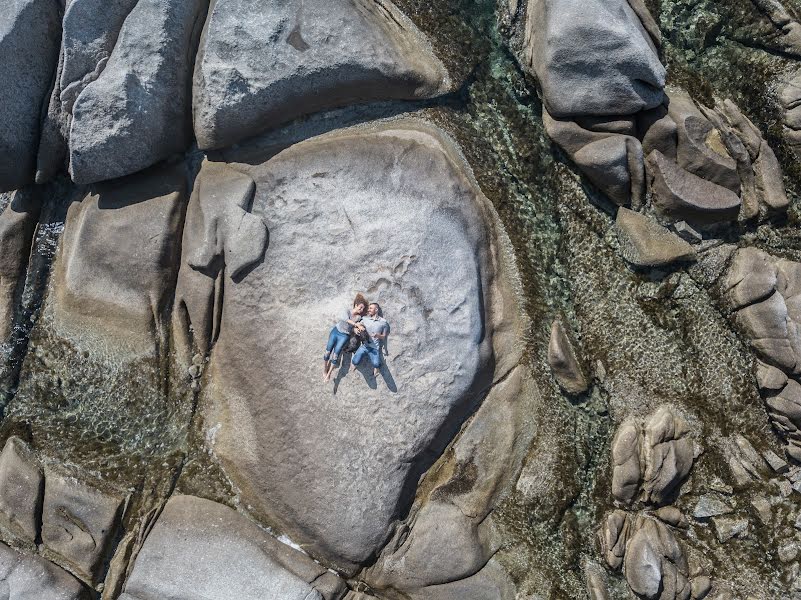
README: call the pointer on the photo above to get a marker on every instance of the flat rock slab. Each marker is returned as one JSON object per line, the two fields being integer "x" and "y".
{"x": 201, "y": 549}
{"x": 29, "y": 41}
{"x": 592, "y": 58}
{"x": 24, "y": 577}
{"x": 645, "y": 243}
{"x": 388, "y": 210}
{"x": 263, "y": 63}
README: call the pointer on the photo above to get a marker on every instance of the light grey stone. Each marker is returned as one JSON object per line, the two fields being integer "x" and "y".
{"x": 778, "y": 464}
{"x": 683, "y": 196}
{"x": 751, "y": 277}
{"x": 763, "y": 509}
{"x": 454, "y": 322}
{"x": 597, "y": 586}
{"x": 700, "y": 149}
{"x": 613, "y": 537}
{"x": 710, "y": 506}
{"x": 117, "y": 262}
{"x": 491, "y": 583}
{"x": 655, "y": 565}
{"x": 626, "y": 473}
{"x": 672, "y": 516}
{"x": 769, "y": 179}
{"x": 788, "y": 551}
{"x": 261, "y": 64}
{"x": 201, "y": 549}
{"x": 667, "y": 454}
{"x": 24, "y": 577}
{"x": 29, "y": 35}
{"x": 770, "y": 379}
{"x": 21, "y": 488}
{"x": 19, "y": 214}
{"x": 79, "y": 523}
{"x": 592, "y": 58}
{"x": 611, "y": 161}
{"x": 700, "y": 587}
{"x": 728, "y": 527}
{"x": 645, "y": 243}
{"x": 686, "y": 232}
{"x": 563, "y": 361}
{"x": 137, "y": 112}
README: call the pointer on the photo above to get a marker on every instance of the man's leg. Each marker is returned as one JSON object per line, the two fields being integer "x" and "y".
{"x": 332, "y": 338}
{"x": 375, "y": 358}
{"x": 358, "y": 356}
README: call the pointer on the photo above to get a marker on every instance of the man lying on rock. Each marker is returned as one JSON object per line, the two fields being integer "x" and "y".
{"x": 340, "y": 334}
{"x": 378, "y": 329}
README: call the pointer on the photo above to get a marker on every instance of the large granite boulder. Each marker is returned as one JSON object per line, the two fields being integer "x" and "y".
{"x": 592, "y": 58}
{"x": 201, "y": 549}
{"x": 261, "y": 63}
{"x": 136, "y": 112}
{"x": 117, "y": 261}
{"x": 29, "y": 35}
{"x": 25, "y": 577}
{"x": 390, "y": 210}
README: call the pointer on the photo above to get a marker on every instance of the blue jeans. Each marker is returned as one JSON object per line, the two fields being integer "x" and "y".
{"x": 371, "y": 351}
{"x": 336, "y": 341}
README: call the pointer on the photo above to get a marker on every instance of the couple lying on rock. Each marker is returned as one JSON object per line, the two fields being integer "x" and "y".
{"x": 359, "y": 333}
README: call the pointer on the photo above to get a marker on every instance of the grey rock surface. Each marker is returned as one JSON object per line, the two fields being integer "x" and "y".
{"x": 667, "y": 454}
{"x": 592, "y": 58}
{"x": 655, "y": 565}
{"x": 18, "y": 217}
{"x": 21, "y": 489}
{"x": 118, "y": 262}
{"x": 612, "y": 161}
{"x": 563, "y": 361}
{"x": 29, "y": 34}
{"x": 645, "y": 243}
{"x": 263, "y": 64}
{"x": 79, "y": 523}
{"x": 626, "y": 471}
{"x": 272, "y": 432}
{"x": 709, "y": 505}
{"x": 137, "y": 112}
{"x": 201, "y": 549}
{"x": 613, "y": 537}
{"x": 24, "y": 577}
{"x": 683, "y": 196}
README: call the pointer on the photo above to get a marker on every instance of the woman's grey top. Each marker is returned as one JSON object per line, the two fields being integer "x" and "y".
{"x": 342, "y": 322}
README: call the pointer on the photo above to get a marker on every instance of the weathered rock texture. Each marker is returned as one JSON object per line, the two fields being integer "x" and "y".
{"x": 24, "y": 577}
{"x": 326, "y": 196}
{"x": 262, "y": 64}
{"x": 202, "y": 549}
{"x": 29, "y": 32}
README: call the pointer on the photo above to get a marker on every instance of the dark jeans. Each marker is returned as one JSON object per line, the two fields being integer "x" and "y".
{"x": 371, "y": 351}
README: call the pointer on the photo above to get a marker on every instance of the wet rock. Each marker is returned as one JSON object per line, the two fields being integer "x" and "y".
{"x": 700, "y": 587}
{"x": 680, "y": 195}
{"x": 21, "y": 487}
{"x": 658, "y": 131}
{"x": 700, "y": 149}
{"x": 611, "y": 161}
{"x": 645, "y": 243}
{"x": 655, "y": 565}
{"x": 728, "y": 527}
{"x": 710, "y": 506}
{"x": 667, "y": 454}
{"x": 763, "y": 509}
{"x": 672, "y": 516}
{"x": 79, "y": 523}
{"x": 199, "y": 548}
{"x": 24, "y": 577}
{"x": 136, "y": 113}
{"x": 778, "y": 464}
{"x": 117, "y": 262}
{"x": 29, "y": 35}
{"x": 19, "y": 214}
{"x": 275, "y": 432}
{"x": 769, "y": 179}
{"x": 626, "y": 474}
{"x": 593, "y": 58}
{"x": 613, "y": 537}
{"x": 259, "y": 66}
{"x": 563, "y": 361}
{"x": 769, "y": 378}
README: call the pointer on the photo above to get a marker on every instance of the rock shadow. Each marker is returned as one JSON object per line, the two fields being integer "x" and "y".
{"x": 366, "y": 370}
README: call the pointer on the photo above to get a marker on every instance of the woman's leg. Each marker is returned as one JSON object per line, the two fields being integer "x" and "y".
{"x": 332, "y": 340}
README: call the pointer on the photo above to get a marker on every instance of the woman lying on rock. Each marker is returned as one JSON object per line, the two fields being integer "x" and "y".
{"x": 340, "y": 334}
